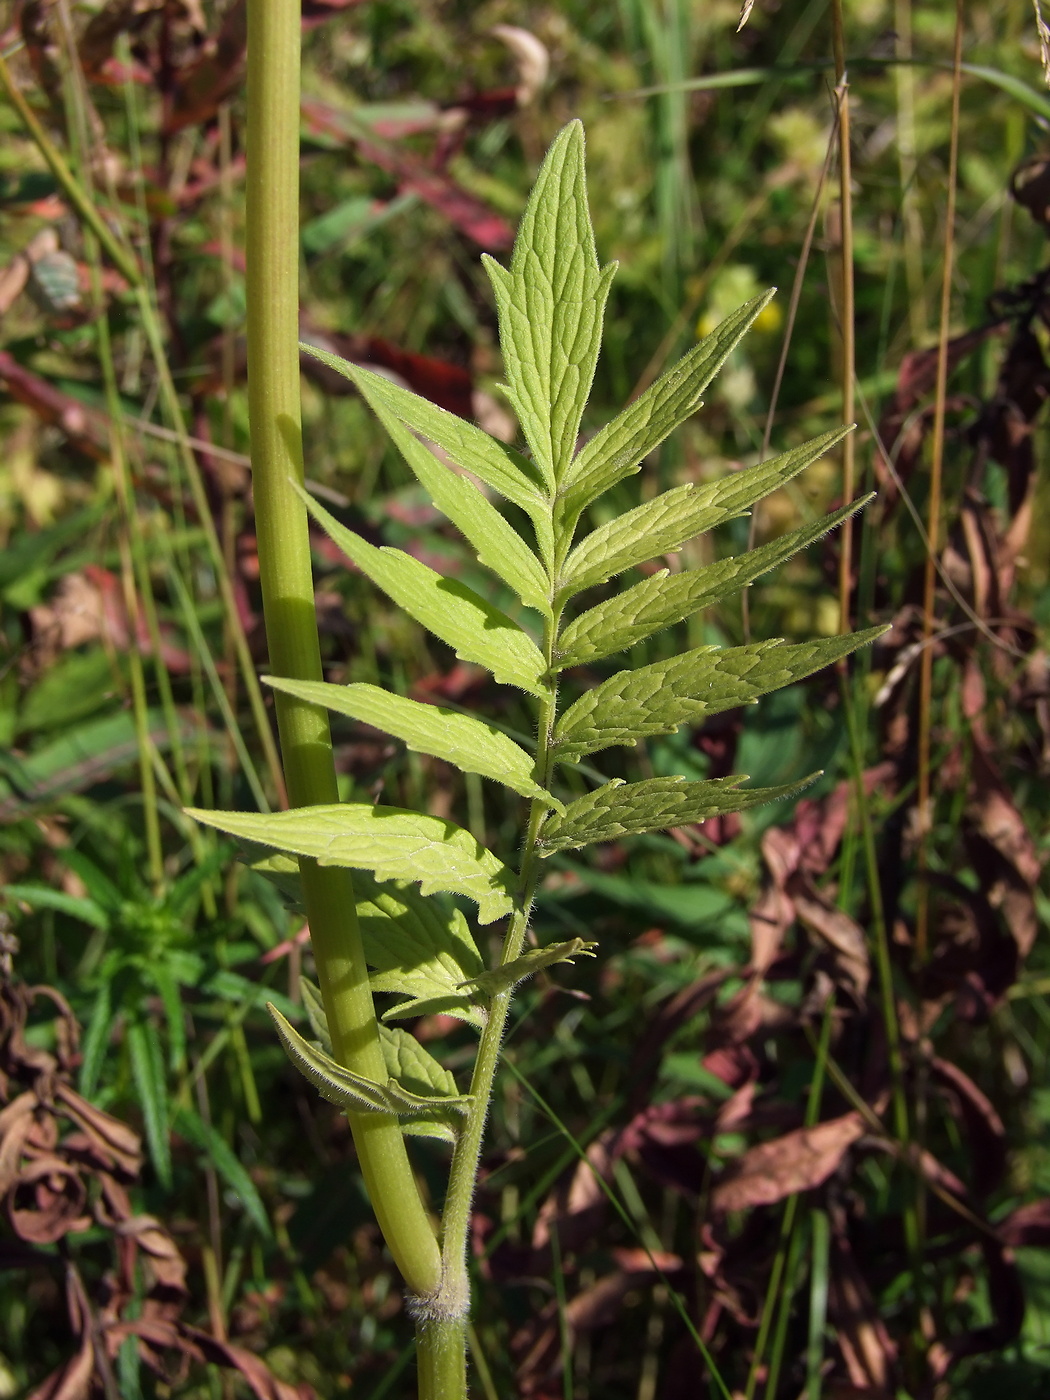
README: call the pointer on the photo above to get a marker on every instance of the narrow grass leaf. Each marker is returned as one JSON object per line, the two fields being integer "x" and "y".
{"x": 656, "y": 699}
{"x": 476, "y": 630}
{"x": 626, "y": 809}
{"x": 551, "y": 304}
{"x": 160, "y": 973}
{"x": 39, "y": 897}
{"x": 218, "y": 1151}
{"x": 502, "y": 979}
{"x": 467, "y": 743}
{"x": 394, "y": 844}
{"x": 147, "y": 1072}
{"x": 497, "y": 544}
{"x": 663, "y": 525}
{"x": 663, "y": 599}
{"x": 499, "y": 466}
{"x": 621, "y": 446}
{"x": 96, "y": 1040}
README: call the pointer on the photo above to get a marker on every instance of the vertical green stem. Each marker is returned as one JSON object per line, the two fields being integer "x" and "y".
{"x": 441, "y": 1358}
{"x": 288, "y": 604}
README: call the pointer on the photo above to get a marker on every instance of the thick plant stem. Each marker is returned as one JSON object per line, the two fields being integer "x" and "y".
{"x": 441, "y": 1359}
{"x": 288, "y": 604}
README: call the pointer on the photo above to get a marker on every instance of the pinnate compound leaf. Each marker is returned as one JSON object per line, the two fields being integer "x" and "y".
{"x": 501, "y": 979}
{"x": 626, "y": 809}
{"x": 419, "y": 948}
{"x": 476, "y": 630}
{"x": 656, "y": 699}
{"x": 551, "y": 304}
{"x": 621, "y": 446}
{"x": 664, "y": 524}
{"x": 663, "y": 599}
{"x": 470, "y": 745}
{"x": 493, "y": 462}
{"x": 496, "y": 543}
{"x": 356, "y": 1093}
{"x": 393, "y": 843}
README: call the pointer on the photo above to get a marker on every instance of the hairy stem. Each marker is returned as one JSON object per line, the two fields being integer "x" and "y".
{"x": 288, "y": 604}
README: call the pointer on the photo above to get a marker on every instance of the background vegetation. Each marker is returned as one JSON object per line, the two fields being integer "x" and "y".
{"x": 788, "y": 1133}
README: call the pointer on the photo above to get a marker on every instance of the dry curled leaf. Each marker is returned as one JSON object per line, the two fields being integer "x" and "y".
{"x": 796, "y": 1162}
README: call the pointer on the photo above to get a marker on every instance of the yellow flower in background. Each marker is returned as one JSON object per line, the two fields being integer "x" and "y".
{"x": 733, "y": 286}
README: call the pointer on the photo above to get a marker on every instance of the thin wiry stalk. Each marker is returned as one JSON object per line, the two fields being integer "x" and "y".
{"x": 846, "y": 305}
{"x": 75, "y": 99}
{"x": 933, "y": 520}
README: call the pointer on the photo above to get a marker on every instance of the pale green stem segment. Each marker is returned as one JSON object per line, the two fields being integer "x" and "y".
{"x": 441, "y": 1359}
{"x": 288, "y": 604}
{"x": 463, "y": 1177}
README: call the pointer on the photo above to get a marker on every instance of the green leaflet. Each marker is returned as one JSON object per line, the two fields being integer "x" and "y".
{"x": 471, "y": 626}
{"x": 419, "y": 948}
{"x": 313, "y": 1005}
{"x": 467, "y": 743}
{"x": 392, "y": 843}
{"x": 665, "y": 523}
{"x": 505, "y": 470}
{"x": 426, "y": 1114}
{"x": 625, "y": 809}
{"x": 497, "y": 544}
{"x": 551, "y": 303}
{"x": 621, "y": 446}
{"x": 663, "y": 599}
{"x": 656, "y": 699}
{"x": 416, "y": 1070}
{"x": 501, "y": 979}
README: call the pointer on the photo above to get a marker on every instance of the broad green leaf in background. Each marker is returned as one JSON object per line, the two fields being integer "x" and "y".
{"x": 624, "y": 809}
{"x": 656, "y": 699}
{"x": 394, "y": 844}
{"x": 468, "y": 744}
{"x": 471, "y": 626}
{"x": 551, "y": 304}
{"x": 501, "y": 979}
{"x": 420, "y": 948}
{"x": 191, "y": 1126}
{"x": 621, "y": 446}
{"x": 663, "y": 599}
{"x": 497, "y": 544}
{"x": 499, "y": 466}
{"x": 666, "y": 522}
{"x": 147, "y": 1072}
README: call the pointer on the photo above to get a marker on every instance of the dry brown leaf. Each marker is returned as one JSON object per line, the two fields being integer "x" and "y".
{"x": 796, "y": 1162}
